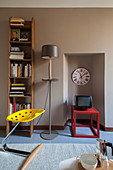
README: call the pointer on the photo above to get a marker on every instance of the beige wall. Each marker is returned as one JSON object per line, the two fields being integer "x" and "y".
{"x": 54, "y": 3}
{"x": 74, "y": 31}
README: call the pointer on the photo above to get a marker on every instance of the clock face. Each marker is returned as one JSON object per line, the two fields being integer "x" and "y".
{"x": 80, "y": 76}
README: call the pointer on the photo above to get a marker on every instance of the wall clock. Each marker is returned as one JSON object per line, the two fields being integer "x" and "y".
{"x": 81, "y": 76}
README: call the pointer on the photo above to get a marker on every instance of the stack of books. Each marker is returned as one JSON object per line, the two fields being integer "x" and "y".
{"x": 16, "y": 21}
{"x": 17, "y": 89}
{"x": 16, "y": 55}
{"x": 15, "y": 107}
{"x": 21, "y": 70}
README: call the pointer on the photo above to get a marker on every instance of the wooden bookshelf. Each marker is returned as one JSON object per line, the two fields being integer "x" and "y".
{"x": 28, "y": 26}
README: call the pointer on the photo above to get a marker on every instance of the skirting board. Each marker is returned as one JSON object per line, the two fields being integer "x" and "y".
{"x": 57, "y": 127}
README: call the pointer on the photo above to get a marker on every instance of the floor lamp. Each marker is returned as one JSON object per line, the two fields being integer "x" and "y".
{"x": 49, "y": 52}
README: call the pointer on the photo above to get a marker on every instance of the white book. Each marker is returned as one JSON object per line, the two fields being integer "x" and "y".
{"x": 23, "y": 39}
{"x": 16, "y": 69}
{"x": 30, "y": 69}
{"x": 11, "y": 109}
{"x": 25, "y": 71}
{"x": 17, "y": 88}
{"x": 16, "y": 56}
{"x": 28, "y": 106}
{"x": 11, "y": 70}
{"x": 17, "y": 24}
{"x": 17, "y": 92}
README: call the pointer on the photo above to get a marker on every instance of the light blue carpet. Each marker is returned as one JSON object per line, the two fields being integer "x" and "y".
{"x": 48, "y": 158}
{"x": 64, "y": 136}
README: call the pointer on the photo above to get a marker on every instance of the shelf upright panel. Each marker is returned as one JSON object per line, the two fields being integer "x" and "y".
{"x": 9, "y": 47}
{"x": 32, "y": 80}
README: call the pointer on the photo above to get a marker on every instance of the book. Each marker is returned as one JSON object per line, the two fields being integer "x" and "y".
{"x": 12, "y": 70}
{"x": 16, "y": 94}
{"x": 16, "y": 70}
{"x": 11, "y": 108}
{"x": 14, "y": 107}
{"x": 26, "y": 71}
{"x": 17, "y": 84}
{"x": 20, "y": 70}
{"x": 17, "y": 88}
{"x": 12, "y": 56}
{"x": 23, "y": 39}
{"x": 17, "y": 52}
{"x": 17, "y": 24}
{"x": 17, "y": 107}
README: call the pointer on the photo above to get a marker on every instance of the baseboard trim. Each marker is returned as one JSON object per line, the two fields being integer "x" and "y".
{"x": 109, "y": 129}
{"x": 37, "y": 127}
{"x": 58, "y": 127}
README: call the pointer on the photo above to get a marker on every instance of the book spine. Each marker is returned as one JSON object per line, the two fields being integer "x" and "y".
{"x": 11, "y": 109}
{"x": 26, "y": 73}
{"x": 14, "y": 107}
{"x": 30, "y": 70}
{"x": 11, "y": 70}
{"x": 20, "y": 70}
{"x": 16, "y": 69}
{"x": 19, "y": 107}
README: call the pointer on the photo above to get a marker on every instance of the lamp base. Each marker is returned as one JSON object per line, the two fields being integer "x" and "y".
{"x": 46, "y": 135}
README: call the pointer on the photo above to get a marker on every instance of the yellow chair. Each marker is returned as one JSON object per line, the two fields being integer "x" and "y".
{"x": 21, "y": 116}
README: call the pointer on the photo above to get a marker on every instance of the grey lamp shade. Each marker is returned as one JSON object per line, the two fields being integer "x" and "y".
{"x": 49, "y": 51}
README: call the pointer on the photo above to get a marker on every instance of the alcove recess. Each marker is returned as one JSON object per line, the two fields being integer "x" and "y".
{"x": 94, "y": 63}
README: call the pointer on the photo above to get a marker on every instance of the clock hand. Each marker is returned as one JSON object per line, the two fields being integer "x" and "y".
{"x": 84, "y": 74}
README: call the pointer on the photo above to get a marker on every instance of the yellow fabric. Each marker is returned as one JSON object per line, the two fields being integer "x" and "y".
{"x": 25, "y": 115}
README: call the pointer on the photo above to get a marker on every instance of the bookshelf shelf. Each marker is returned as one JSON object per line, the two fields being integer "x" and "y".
{"x": 28, "y": 48}
{"x": 24, "y": 27}
{"x": 21, "y": 42}
{"x": 21, "y": 96}
{"x": 20, "y": 59}
{"x": 20, "y": 77}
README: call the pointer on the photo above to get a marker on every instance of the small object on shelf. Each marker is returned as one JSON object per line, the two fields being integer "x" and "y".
{"x": 16, "y": 21}
{"x": 17, "y": 55}
{"x": 25, "y": 35}
{"x": 23, "y": 39}
{"x": 15, "y": 49}
{"x": 15, "y": 34}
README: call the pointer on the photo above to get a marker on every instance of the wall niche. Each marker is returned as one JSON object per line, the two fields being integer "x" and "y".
{"x": 94, "y": 63}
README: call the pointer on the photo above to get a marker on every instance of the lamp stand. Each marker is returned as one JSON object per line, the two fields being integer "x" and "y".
{"x": 48, "y": 135}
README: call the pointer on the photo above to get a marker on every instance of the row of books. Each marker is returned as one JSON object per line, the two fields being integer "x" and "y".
{"x": 14, "y": 107}
{"x": 16, "y": 21}
{"x": 16, "y": 55}
{"x": 17, "y": 89}
{"x": 21, "y": 70}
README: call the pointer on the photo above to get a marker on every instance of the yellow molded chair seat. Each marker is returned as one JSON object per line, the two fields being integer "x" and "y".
{"x": 25, "y": 115}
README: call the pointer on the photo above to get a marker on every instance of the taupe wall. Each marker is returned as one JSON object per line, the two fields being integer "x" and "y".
{"x": 74, "y": 31}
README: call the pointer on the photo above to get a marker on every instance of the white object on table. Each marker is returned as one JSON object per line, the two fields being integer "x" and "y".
{"x": 69, "y": 164}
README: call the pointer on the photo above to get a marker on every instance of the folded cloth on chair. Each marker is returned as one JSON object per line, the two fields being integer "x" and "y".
{"x": 69, "y": 164}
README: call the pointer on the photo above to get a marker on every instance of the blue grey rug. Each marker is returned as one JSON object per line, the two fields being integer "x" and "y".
{"x": 48, "y": 158}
